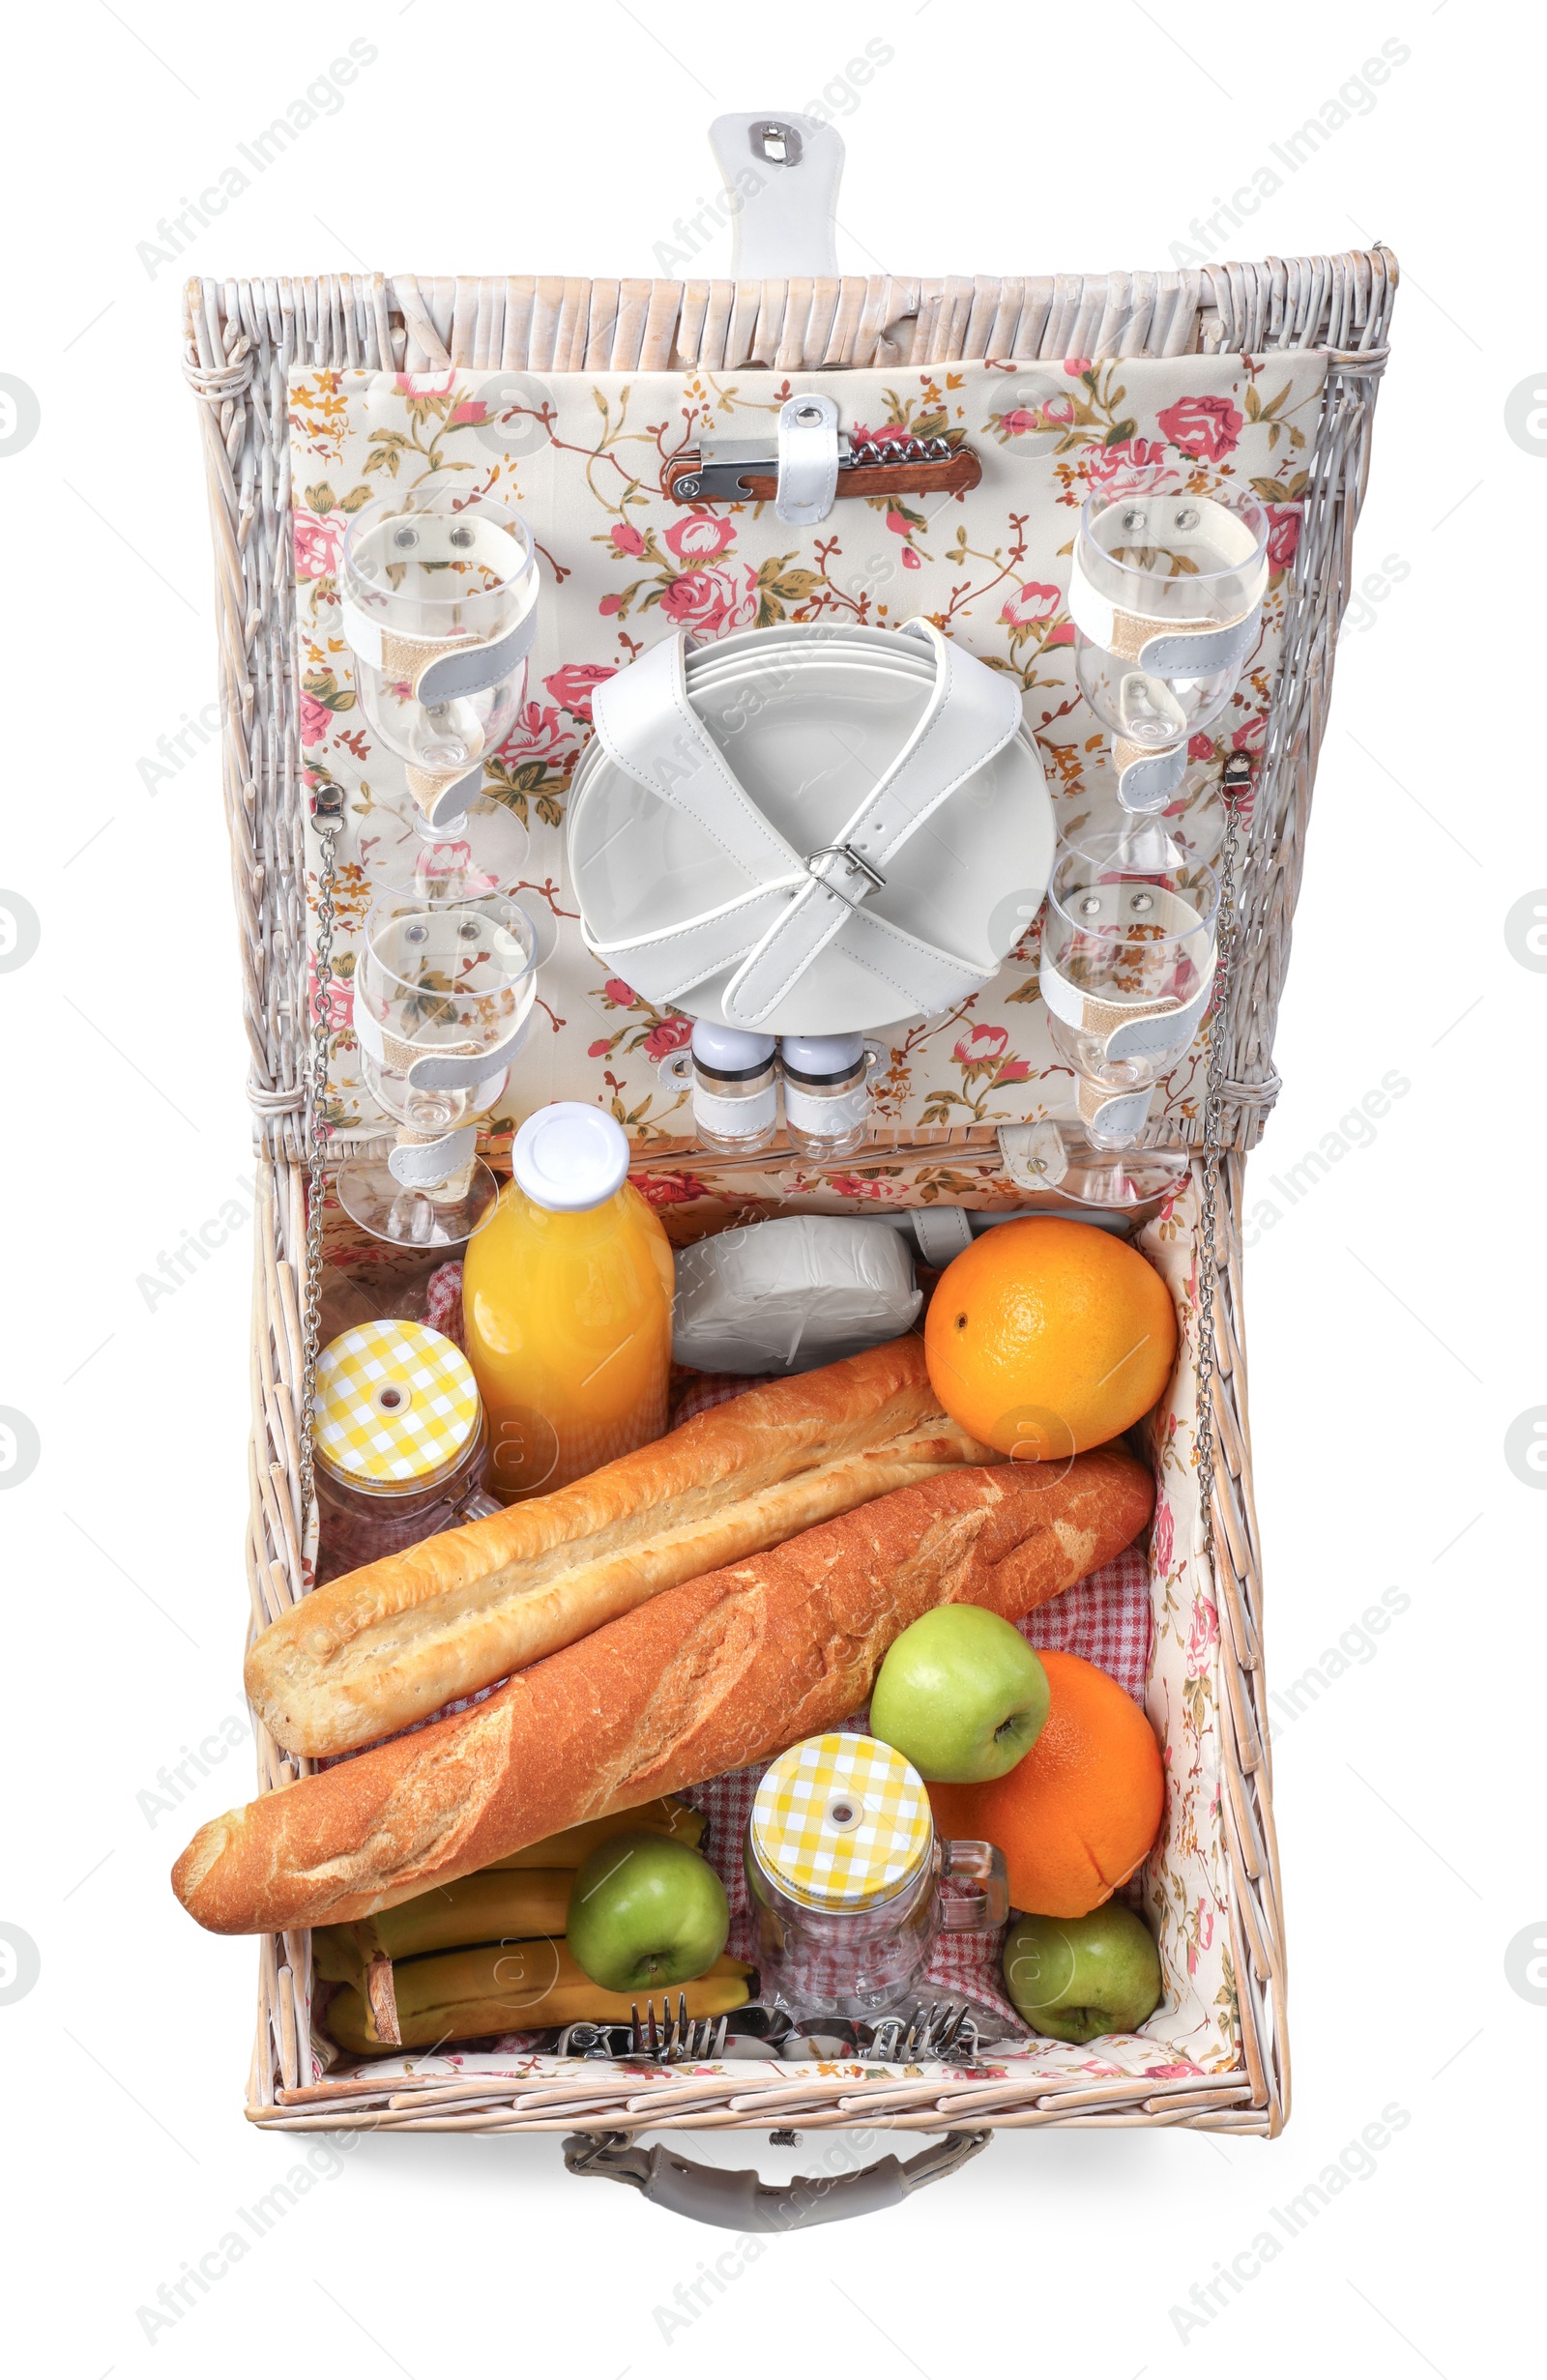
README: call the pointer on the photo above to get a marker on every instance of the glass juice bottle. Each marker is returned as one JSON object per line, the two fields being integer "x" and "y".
{"x": 566, "y": 1307}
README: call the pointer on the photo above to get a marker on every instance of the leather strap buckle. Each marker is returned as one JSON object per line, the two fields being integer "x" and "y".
{"x": 855, "y": 864}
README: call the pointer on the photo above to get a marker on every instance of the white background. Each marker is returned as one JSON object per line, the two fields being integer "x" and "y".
{"x": 1395, "y": 1311}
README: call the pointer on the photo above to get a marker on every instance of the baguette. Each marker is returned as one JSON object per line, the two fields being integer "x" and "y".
{"x": 705, "y": 1678}
{"x": 387, "y": 1644}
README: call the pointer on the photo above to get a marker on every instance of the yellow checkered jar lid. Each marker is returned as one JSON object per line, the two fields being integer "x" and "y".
{"x": 396, "y": 1405}
{"x": 841, "y": 1822}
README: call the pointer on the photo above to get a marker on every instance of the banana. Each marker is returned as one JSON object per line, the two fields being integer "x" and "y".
{"x": 510, "y": 1987}
{"x": 667, "y": 1816}
{"x": 518, "y": 1898}
{"x": 491, "y": 1906}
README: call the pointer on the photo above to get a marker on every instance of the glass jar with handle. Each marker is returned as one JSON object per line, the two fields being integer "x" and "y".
{"x": 844, "y": 1870}
{"x": 400, "y": 1443}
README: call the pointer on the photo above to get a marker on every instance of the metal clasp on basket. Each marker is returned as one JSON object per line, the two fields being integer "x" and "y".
{"x": 1236, "y": 776}
{"x": 874, "y": 881}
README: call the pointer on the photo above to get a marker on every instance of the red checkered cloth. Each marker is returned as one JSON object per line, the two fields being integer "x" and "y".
{"x": 443, "y": 1302}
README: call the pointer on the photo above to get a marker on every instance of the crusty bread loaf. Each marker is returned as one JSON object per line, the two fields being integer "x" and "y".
{"x": 373, "y": 1651}
{"x": 707, "y": 1677}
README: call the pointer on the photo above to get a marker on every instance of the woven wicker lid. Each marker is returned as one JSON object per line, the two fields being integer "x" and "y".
{"x": 841, "y": 1822}
{"x": 396, "y": 1405}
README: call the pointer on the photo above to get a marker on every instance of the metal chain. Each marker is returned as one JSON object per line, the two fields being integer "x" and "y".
{"x": 1233, "y": 786}
{"x": 327, "y": 818}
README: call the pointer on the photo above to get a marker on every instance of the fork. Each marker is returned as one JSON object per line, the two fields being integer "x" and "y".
{"x": 675, "y": 2038}
{"x": 941, "y": 2031}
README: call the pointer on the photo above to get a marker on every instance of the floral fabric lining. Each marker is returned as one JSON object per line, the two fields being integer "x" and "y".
{"x": 584, "y": 458}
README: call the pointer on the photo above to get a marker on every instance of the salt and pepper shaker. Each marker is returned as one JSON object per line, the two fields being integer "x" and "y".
{"x": 734, "y": 1084}
{"x": 826, "y": 1091}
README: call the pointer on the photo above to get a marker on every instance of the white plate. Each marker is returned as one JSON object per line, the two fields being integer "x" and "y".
{"x": 781, "y": 664}
{"x": 970, "y": 879}
{"x": 771, "y": 647}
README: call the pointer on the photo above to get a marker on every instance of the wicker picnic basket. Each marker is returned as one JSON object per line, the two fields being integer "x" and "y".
{"x": 247, "y": 341}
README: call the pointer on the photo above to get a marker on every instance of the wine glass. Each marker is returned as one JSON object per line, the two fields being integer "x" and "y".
{"x": 1166, "y": 597}
{"x": 442, "y": 999}
{"x": 1127, "y": 972}
{"x": 438, "y": 590}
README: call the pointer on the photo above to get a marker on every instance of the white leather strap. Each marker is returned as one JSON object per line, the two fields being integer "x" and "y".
{"x": 941, "y": 1232}
{"x": 796, "y": 903}
{"x": 429, "y": 1165}
{"x": 781, "y": 174}
{"x": 438, "y": 671}
{"x": 432, "y": 1069}
{"x": 1147, "y": 780}
{"x": 1184, "y": 647}
{"x": 972, "y": 714}
{"x": 1122, "y": 1113}
{"x": 808, "y": 460}
{"x": 647, "y": 727}
{"x": 1195, "y": 648}
{"x": 1134, "y": 1028}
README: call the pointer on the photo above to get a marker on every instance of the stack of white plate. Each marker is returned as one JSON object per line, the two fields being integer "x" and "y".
{"x": 809, "y": 718}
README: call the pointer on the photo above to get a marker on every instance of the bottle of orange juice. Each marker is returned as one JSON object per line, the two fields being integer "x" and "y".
{"x": 566, "y": 1304}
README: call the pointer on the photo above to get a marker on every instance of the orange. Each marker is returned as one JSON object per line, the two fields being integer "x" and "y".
{"x": 1076, "y": 1817}
{"x": 1046, "y": 1337}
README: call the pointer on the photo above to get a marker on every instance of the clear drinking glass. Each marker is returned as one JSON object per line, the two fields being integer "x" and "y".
{"x": 438, "y": 588}
{"x": 1161, "y": 563}
{"x": 1128, "y": 947}
{"x": 443, "y": 996}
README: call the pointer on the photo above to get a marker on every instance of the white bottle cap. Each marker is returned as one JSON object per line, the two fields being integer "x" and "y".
{"x": 821, "y": 1056}
{"x": 569, "y": 1157}
{"x": 727, "y": 1051}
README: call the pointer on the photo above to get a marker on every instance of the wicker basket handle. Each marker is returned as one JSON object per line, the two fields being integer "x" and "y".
{"x": 741, "y": 2201}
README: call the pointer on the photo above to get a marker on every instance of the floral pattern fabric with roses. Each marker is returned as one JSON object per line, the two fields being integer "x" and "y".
{"x": 584, "y": 458}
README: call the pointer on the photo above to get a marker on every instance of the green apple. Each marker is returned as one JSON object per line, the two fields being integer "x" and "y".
{"x": 961, "y": 1694}
{"x": 1075, "y": 1977}
{"x": 646, "y": 1913}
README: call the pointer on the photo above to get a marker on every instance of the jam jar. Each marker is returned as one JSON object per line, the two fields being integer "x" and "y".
{"x": 400, "y": 1443}
{"x": 844, "y": 1870}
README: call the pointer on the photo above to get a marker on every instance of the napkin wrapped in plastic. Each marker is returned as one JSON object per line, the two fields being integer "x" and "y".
{"x": 792, "y": 1294}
